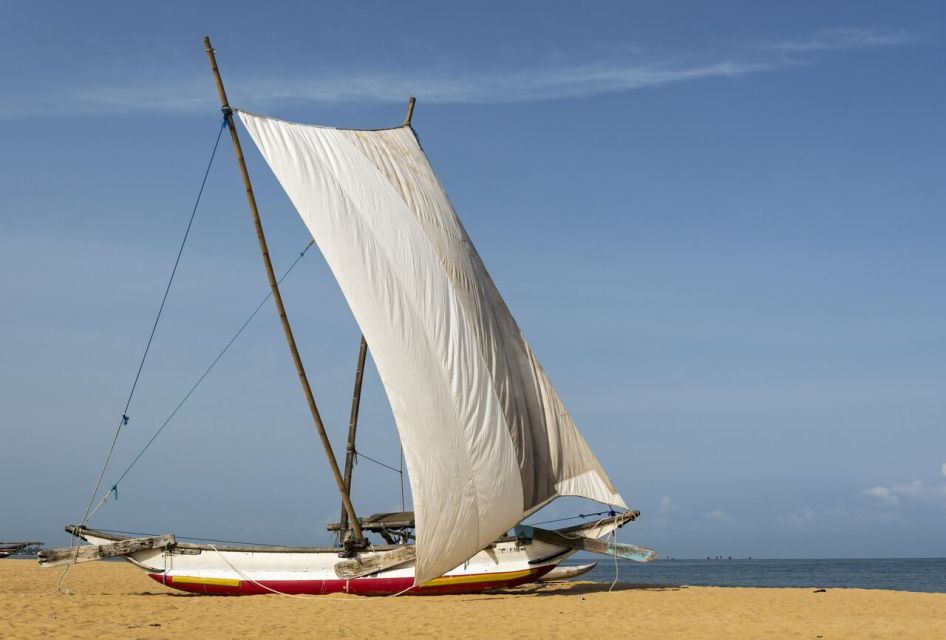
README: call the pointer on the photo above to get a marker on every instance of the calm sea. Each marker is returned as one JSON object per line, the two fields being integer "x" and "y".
{"x": 911, "y": 574}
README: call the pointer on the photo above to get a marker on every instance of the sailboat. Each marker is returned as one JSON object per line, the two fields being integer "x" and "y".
{"x": 486, "y": 438}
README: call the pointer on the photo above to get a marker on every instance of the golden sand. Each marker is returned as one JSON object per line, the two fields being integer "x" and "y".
{"x": 116, "y": 600}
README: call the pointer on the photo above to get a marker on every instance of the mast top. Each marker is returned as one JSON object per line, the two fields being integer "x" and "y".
{"x": 410, "y": 111}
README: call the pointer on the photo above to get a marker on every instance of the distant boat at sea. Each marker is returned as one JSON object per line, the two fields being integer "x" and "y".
{"x": 9, "y": 548}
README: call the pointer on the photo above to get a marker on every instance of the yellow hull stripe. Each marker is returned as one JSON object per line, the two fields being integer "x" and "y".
{"x": 223, "y": 582}
{"x": 481, "y": 577}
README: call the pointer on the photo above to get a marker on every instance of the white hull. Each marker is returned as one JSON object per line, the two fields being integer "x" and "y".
{"x": 243, "y": 571}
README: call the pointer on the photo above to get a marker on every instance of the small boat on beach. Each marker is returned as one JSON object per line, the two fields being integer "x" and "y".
{"x": 486, "y": 437}
{"x": 567, "y": 573}
{"x": 9, "y": 548}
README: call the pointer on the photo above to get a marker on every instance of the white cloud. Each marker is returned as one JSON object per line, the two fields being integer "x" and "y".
{"x": 883, "y": 495}
{"x": 665, "y": 510}
{"x": 915, "y": 491}
{"x": 610, "y": 75}
{"x": 799, "y": 518}
{"x": 943, "y": 469}
{"x": 189, "y": 96}
{"x": 719, "y": 515}
{"x": 842, "y": 39}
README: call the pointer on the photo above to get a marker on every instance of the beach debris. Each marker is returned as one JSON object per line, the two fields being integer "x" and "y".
{"x": 821, "y": 591}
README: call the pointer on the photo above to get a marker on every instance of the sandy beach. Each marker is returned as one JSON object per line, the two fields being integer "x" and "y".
{"x": 116, "y": 600}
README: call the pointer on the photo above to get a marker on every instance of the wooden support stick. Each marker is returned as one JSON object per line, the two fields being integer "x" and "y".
{"x": 352, "y": 427}
{"x": 277, "y": 298}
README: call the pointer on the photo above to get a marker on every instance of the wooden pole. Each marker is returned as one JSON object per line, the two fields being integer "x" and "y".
{"x": 352, "y": 427}
{"x": 356, "y": 396}
{"x": 277, "y": 298}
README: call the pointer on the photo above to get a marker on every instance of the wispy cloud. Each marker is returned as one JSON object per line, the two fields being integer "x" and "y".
{"x": 718, "y": 515}
{"x": 617, "y": 73}
{"x": 799, "y": 518}
{"x": 666, "y": 508}
{"x": 842, "y": 39}
{"x": 916, "y": 491}
{"x": 882, "y": 496}
{"x": 432, "y": 88}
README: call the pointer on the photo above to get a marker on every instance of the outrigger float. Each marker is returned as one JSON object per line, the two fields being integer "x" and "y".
{"x": 486, "y": 437}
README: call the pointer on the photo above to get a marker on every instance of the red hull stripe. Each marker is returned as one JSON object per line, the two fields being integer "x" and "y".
{"x": 359, "y": 586}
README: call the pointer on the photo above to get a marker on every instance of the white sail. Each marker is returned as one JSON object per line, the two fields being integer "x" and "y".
{"x": 486, "y": 437}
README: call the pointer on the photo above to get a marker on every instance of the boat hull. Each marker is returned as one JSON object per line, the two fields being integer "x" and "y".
{"x": 369, "y": 586}
{"x": 213, "y": 571}
{"x": 244, "y": 570}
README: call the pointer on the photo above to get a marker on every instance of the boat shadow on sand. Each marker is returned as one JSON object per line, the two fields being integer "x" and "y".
{"x": 549, "y": 589}
{"x": 583, "y": 588}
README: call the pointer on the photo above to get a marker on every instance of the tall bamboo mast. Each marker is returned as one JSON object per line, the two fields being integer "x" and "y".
{"x": 356, "y": 395}
{"x": 277, "y": 298}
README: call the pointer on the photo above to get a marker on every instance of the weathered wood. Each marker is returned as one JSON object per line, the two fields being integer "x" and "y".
{"x": 84, "y": 533}
{"x": 73, "y": 555}
{"x": 381, "y": 522}
{"x": 367, "y": 563}
{"x": 619, "y": 519}
{"x": 277, "y": 297}
{"x": 625, "y": 551}
{"x": 352, "y": 428}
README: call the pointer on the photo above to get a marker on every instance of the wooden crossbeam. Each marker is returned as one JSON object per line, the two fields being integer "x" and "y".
{"x": 366, "y": 564}
{"x": 87, "y": 553}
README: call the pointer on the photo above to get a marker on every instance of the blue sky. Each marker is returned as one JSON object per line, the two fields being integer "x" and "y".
{"x": 720, "y": 225}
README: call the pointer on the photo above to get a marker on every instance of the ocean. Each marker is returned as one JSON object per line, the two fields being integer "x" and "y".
{"x": 903, "y": 574}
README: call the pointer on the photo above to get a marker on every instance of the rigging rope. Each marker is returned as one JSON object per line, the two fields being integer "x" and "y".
{"x": 359, "y": 454}
{"x": 579, "y": 516}
{"x": 114, "y": 489}
{"x": 321, "y": 598}
{"x": 154, "y": 327}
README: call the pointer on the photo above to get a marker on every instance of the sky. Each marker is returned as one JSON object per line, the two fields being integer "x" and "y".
{"x": 720, "y": 225}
